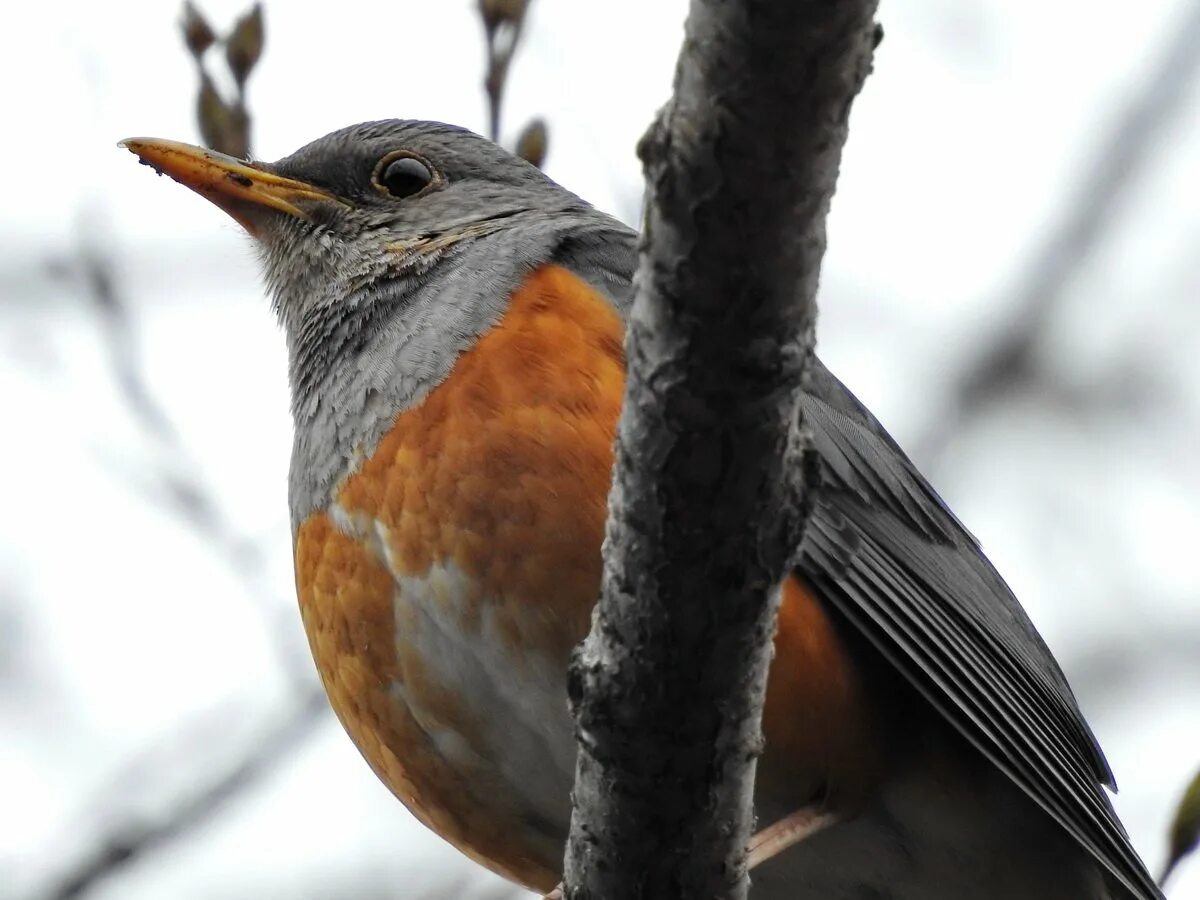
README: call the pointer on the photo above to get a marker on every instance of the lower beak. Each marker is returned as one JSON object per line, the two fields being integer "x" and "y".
{"x": 244, "y": 190}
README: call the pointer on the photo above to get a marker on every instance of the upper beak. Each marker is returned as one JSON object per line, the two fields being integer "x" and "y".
{"x": 241, "y": 189}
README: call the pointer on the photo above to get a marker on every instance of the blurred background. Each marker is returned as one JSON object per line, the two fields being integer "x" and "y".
{"x": 1012, "y": 285}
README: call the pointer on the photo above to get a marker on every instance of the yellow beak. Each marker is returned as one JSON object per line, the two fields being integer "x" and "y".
{"x": 241, "y": 189}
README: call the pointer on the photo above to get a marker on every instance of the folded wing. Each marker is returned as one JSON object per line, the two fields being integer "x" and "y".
{"x": 885, "y": 550}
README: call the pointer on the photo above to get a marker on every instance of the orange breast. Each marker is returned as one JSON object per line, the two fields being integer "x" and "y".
{"x": 480, "y": 517}
{"x": 501, "y": 477}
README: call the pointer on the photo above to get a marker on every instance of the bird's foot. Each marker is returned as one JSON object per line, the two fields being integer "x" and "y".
{"x": 788, "y": 831}
{"x": 555, "y": 894}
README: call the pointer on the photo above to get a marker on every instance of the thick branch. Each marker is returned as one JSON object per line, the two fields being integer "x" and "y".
{"x": 707, "y": 494}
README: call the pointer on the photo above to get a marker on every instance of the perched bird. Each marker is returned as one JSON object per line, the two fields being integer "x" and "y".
{"x": 454, "y": 322}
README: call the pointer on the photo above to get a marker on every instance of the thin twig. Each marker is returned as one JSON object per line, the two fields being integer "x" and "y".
{"x": 120, "y": 340}
{"x": 177, "y": 477}
{"x": 1010, "y": 364}
{"x": 195, "y": 502}
{"x": 129, "y": 841}
{"x": 503, "y": 21}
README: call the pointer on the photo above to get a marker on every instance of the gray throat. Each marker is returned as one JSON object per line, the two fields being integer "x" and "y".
{"x": 358, "y": 362}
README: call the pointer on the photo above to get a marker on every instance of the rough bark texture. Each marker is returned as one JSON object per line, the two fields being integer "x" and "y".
{"x": 707, "y": 500}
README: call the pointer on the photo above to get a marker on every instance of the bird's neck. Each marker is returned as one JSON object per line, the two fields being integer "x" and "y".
{"x": 362, "y": 354}
{"x": 366, "y": 343}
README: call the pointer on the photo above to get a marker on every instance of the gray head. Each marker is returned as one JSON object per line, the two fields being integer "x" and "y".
{"x": 363, "y": 203}
{"x": 407, "y": 192}
{"x": 388, "y": 247}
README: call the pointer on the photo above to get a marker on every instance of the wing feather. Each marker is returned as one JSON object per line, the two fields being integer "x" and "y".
{"x": 883, "y": 548}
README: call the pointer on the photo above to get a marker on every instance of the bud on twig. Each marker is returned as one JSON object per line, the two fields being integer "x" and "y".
{"x": 533, "y": 142}
{"x": 224, "y": 124}
{"x": 225, "y": 127}
{"x": 244, "y": 45}
{"x": 502, "y": 21}
{"x": 212, "y": 114}
{"x": 197, "y": 33}
{"x": 498, "y": 12}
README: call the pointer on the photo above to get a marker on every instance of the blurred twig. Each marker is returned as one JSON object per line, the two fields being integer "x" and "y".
{"x": 128, "y": 841}
{"x": 177, "y": 478}
{"x": 1011, "y": 364}
{"x": 1114, "y": 664}
{"x": 96, "y": 269}
{"x": 502, "y": 24}
{"x": 224, "y": 123}
{"x": 503, "y": 21}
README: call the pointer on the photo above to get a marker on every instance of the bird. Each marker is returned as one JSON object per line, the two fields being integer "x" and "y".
{"x": 455, "y": 323}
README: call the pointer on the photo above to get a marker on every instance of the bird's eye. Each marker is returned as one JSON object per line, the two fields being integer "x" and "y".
{"x": 403, "y": 176}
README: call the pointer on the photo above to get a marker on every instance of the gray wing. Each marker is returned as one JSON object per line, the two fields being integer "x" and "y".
{"x": 884, "y": 549}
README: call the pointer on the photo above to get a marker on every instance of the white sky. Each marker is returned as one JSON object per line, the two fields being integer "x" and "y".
{"x": 979, "y": 117}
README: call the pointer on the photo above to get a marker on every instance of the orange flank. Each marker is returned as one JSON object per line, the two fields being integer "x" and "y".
{"x": 482, "y": 510}
{"x": 347, "y": 604}
{"x": 817, "y": 721}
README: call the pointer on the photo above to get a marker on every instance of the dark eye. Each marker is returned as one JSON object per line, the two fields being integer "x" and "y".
{"x": 403, "y": 176}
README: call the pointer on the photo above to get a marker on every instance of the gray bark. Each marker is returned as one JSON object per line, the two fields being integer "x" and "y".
{"x": 708, "y": 494}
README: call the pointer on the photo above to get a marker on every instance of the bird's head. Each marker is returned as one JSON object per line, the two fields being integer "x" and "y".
{"x": 369, "y": 203}
{"x": 389, "y": 248}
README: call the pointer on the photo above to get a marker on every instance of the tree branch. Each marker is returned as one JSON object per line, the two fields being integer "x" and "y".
{"x": 707, "y": 497}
